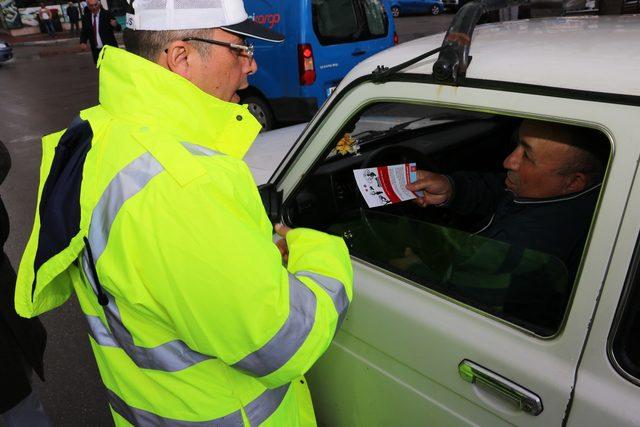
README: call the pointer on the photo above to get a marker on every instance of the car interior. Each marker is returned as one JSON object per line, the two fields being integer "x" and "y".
{"x": 434, "y": 247}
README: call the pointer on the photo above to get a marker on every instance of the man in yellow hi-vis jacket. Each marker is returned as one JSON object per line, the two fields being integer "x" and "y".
{"x": 146, "y": 211}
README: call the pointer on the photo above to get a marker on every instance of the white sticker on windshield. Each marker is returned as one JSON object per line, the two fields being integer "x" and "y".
{"x": 384, "y": 185}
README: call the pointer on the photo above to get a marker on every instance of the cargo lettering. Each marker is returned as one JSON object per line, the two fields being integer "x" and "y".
{"x": 272, "y": 19}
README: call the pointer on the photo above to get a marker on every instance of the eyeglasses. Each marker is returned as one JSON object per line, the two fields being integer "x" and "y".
{"x": 239, "y": 49}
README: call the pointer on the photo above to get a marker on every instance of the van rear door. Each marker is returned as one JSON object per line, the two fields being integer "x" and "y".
{"x": 344, "y": 32}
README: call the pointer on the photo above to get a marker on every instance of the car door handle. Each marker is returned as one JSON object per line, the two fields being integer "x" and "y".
{"x": 524, "y": 399}
{"x": 358, "y": 52}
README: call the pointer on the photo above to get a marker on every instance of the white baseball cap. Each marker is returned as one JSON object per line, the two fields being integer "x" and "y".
{"x": 230, "y": 15}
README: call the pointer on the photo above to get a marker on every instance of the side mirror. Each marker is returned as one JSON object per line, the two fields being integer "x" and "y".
{"x": 272, "y": 201}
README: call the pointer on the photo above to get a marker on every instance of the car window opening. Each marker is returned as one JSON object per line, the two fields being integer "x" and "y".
{"x": 509, "y": 240}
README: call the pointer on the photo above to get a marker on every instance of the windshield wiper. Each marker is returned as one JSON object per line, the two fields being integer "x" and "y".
{"x": 368, "y": 134}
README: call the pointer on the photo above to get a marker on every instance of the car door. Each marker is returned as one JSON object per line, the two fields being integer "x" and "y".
{"x": 408, "y": 354}
{"x": 607, "y": 390}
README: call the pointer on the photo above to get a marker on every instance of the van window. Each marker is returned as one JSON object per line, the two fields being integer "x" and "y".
{"x": 376, "y": 17}
{"x": 345, "y": 21}
{"x": 491, "y": 245}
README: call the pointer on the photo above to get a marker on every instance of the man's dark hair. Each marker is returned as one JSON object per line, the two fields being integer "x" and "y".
{"x": 150, "y": 44}
{"x": 592, "y": 148}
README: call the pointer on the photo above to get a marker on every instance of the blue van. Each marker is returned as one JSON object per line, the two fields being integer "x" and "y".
{"x": 324, "y": 39}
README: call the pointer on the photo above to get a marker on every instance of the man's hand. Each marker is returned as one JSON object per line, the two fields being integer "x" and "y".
{"x": 84, "y": 47}
{"x": 113, "y": 23}
{"x": 282, "y": 230}
{"x": 437, "y": 188}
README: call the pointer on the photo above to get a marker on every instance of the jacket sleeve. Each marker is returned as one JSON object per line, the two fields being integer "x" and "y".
{"x": 85, "y": 32}
{"x": 226, "y": 290}
{"x": 476, "y": 192}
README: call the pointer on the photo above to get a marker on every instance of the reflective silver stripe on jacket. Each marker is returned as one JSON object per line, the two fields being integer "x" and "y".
{"x": 288, "y": 340}
{"x": 171, "y": 356}
{"x": 334, "y": 288}
{"x": 199, "y": 150}
{"x": 99, "y": 332}
{"x": 258, "y": 411}
{"x": 126, "y": 184}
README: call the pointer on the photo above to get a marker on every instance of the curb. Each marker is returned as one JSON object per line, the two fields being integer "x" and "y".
{"x": 43, "y": 42}
{"x": 52, "y": 42}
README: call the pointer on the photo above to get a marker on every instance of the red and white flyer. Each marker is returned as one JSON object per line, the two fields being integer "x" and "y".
{"x": 385, "y": 185}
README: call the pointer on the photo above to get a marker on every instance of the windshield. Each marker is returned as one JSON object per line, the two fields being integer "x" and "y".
{"x": 385, "y": 119}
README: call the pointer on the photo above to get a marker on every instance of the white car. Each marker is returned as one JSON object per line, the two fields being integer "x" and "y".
{"x": 433, "y": 336}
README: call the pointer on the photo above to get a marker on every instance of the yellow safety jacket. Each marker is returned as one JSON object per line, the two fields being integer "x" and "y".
{"x": 147, "y": 211}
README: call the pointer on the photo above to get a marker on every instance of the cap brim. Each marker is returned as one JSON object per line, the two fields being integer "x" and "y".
{"x": 250, "y": 28}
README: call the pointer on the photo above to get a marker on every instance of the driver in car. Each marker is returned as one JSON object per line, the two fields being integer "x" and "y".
{"x": 545, "y": 201}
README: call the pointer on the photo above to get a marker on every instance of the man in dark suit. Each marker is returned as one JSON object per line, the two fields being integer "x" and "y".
{"x": 74, "y": 17}
{"x": 97, "y": 27}
{"x": 22, "y": 341}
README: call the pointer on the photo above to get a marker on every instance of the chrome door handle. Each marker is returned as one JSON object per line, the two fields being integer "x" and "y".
{"x": 524, "y": 399}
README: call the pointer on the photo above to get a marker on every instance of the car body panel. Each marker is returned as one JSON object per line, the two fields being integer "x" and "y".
{"x": 268, "y": 150}
{"x": 603, "y": 396}
{"x": 540, "y": 60}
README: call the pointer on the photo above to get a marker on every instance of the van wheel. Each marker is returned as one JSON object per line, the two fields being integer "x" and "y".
{"x": 395, "y": 11}
{"x": 261, "y": 111}
{"x": 435, "y": 9}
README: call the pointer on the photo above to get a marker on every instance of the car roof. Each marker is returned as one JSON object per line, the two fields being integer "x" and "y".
{"x": 590, "y": 53}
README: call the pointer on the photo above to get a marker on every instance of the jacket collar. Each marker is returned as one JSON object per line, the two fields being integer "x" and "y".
{"x": 134, "y": 89}
{"x": 556, "y": 199}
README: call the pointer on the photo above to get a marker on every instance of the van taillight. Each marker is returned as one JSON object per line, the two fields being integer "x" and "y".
{"x": 305, "y": 62}
{"x": 396, "y": 40}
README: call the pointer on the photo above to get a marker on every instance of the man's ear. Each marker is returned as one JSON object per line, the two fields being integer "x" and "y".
{"x": 178, "y": 57}
{"x": 576, "y": 182}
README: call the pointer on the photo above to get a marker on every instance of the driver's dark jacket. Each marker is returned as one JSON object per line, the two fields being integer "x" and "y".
{"x": 557, "y": 226}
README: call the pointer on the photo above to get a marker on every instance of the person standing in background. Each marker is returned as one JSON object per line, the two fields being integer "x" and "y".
{"x": 45, "y": 17}
{"x": 22, "y": 341}
{"x": 97, "y": 28}
{"x": 74, "y": 17}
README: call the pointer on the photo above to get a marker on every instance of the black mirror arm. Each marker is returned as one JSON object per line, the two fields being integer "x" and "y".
{"x": 272, "y": 201}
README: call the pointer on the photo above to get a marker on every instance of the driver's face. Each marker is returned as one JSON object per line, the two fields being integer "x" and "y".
{"x": 532, "y": 168}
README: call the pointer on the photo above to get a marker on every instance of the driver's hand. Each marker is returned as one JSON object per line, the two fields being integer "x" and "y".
{"x": 436, "y": 188}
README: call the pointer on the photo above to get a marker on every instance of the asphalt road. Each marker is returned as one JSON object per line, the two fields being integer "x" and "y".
{"x": 41, "y": 91}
